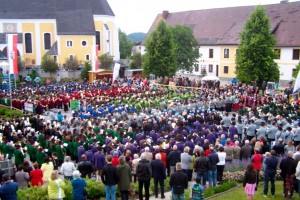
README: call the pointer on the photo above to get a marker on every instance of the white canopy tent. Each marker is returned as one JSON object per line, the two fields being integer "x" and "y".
{"x": 210, "y": 78}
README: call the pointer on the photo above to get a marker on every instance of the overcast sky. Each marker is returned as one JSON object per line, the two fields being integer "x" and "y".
{"x": 138, "y": 15}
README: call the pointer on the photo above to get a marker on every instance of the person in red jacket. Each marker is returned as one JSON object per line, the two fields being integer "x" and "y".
{"x": 257, "y": 163}
{"x": 163, "y": 156}
{"x": 115, "y": 160}
{"x": 36, "y": 176}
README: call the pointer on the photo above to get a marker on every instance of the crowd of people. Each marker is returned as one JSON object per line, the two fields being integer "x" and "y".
{"x": 132, "y": 130}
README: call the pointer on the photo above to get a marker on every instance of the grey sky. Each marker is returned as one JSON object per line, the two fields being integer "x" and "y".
{"x": 138, "y": 15}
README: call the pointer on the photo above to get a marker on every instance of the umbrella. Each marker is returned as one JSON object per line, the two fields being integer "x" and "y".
{"x": 37, "y": 79}
{"x": 210, "y": 78}
{"x": 28, "y": 78}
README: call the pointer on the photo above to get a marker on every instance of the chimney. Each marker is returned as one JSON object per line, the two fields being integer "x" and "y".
{"x": 165, "y": 14}
{"x": 284, "y": 1}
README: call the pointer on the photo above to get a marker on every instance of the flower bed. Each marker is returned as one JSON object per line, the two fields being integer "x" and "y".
{"x": 220, "y": 188}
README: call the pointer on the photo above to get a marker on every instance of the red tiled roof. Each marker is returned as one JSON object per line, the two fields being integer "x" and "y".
{"x": 221, "y": 26}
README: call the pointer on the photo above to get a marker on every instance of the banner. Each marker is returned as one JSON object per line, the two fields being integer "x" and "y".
{"x": 297, "y": 83}
{"x": 75, "y": 104}
{"x": 12, "y": 53}
{"x": 116, "y": 71}
{"x": 28, "y": 107}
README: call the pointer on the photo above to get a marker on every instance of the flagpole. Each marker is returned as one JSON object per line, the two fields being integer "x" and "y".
{"x": 9, "y": 80}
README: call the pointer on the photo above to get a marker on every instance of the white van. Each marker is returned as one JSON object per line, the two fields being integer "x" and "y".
{"x": 271, "y": 88}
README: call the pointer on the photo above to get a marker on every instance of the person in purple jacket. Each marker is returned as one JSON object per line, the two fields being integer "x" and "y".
{"x": 80, "y": 151}
{"x": 232, "y": 131}
{"x": 99, "y": 162}
{"x": 89, "y": 154}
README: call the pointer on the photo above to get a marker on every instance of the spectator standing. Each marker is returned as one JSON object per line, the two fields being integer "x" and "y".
{"x": 246, "y": 151}
{"x": 115, "y": 160}
{"x": 279, "y": 147}
{"x": 55, "y": 187}
{"x": 229, "y": 151}
{"x": 288, "y": 170}
{"x": 197, "y": 190}
{"x": 257, "y": 160}
{"x": 186, "y": 161}
{"x": 110, "y": 179}
{"x": 178, "y": 183}
{"x": 221, "y": 164}
{"x": 8, "y": 190}
{"x": 144, "y": 174}
{"x": 47, "y": 168}
{"x": 67, "y": 168}
{"x": 202, "y": 166}
{"x": 159, "y": 175}
{"x": 135, "y": 162}
{"x": 36, "y": 176}
{"x": 78, "y": 186}
{"x": 85, "y": 167}
{"x": 249, "y": 182}
{"x": 236, "y": 152}
{"x": 271, "y": 163}
{"x": 99, "y": 162}
{"x": 124, "y": 172}
{"x": 147, "y": 154}
{"x": 21, "y": 177}
{"x": 212, "y": 172}
{"x": 174, "y": 157}
{"x": 298, "y": 178}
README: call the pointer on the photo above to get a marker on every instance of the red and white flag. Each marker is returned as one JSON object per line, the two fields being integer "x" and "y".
{"x": 12, "y": 53}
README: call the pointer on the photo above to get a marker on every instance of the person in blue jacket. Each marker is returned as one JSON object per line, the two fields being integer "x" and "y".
{"x": 8, "y": 191}
{"x": 78, "y": 185}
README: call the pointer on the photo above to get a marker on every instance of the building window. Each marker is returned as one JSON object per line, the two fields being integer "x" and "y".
{"x": 296, "y": 53}
{"x": 71, "y": 57}
{"x": 196, "y": 67}
{"x": 278, "y": 52}
{"x": 69, "y": 43}
{"x": 210, "y": 68}
{"x": 47, "y": 41}
{"x": 87, "y": 57}
{"x": 226, "y": 53}
{"x": 83, "y": 43}
{"x": 225, "y": 69}
{"x": 55, "y": 59}
{"x": 28, "y": 43}
{"x": 98, "y": 39}
{"x": 211, "y": 53}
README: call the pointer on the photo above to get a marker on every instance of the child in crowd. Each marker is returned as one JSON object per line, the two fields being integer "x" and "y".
{"x": 198, "y": 190}
{"x": 250, "y": 181}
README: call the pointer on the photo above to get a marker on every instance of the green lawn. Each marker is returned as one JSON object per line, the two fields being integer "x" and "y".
{"x": 238, "y": 193}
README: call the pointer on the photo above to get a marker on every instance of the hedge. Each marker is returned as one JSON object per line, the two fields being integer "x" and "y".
{"x": 219, "y": 189}
{"x": 8, "y": 113}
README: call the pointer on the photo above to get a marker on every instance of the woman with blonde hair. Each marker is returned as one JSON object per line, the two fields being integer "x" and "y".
{"x": 47, "y": 168}
{"x": 55, "y": 187}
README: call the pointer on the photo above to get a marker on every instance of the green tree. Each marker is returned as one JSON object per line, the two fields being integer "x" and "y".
{"x": 48, "y": 65}
{"x": 33, "y": 74}
{"x": 105, "y": 61}
{"x": 160, "y": 57}
{"x": 125, "y": 45}
{"x": 187, "y": 48}
{"x": 136, "y": 61}
{"x": 255, "y": 57}
{"x": 85, "y": 72}
{"x": 296, "y": 71}
{"x": 72, "y": 64}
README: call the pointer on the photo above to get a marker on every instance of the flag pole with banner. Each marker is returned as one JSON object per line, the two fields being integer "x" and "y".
{"x": 116, "y": 71}
{"x": 297, "y": 83}
{"x": 12, "y": 56}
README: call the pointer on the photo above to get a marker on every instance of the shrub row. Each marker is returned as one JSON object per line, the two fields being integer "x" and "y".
{"x": 95, "y": 190}
{"x": 219, "y": 189}
{"x": 239, "y": 176}
{"x": 8, "y": 113}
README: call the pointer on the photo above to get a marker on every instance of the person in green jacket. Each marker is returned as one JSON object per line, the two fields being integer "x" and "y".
{"x": 40, "y": 156}
{"x": 60, "y": 152}
{"x": 41, "y": 140}
{"x": 19, "y": 155}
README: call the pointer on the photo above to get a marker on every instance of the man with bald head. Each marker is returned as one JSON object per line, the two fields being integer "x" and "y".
{"x": 178, "y": 183}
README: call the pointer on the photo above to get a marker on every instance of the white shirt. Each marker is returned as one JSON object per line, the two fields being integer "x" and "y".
{"x": 222, "y": 156}
{"x": 298, "y": 171}
{"x": 67, "y": 168}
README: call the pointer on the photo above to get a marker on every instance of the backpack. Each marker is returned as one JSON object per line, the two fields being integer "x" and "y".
{"x": 197, "y": 192}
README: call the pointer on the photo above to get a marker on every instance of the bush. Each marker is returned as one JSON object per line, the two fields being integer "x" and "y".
{"x": 219, "y": 189}
{"x": 8, "y": 113}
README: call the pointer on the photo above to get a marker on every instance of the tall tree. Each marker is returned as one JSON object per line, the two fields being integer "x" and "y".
{"x": 187, "y": 48}
{"x": 72, "y": 64}
{"x": 85, "y": 72}
{"x": 255, "y": 57}
{"x": 105, "y": 61}
{"x": 48, "y": 65}
{"x": 296, "y": 71}
{"x": 136, "y": 61}
{"x": 160, "y": 57}
{"x": 125, "y": 45}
